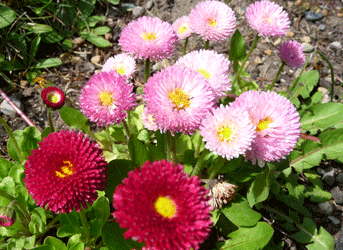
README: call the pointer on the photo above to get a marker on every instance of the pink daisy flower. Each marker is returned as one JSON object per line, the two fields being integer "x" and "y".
{"x": 268, "y": 18}
{"x": 106, "y": 97}
{"x": 213, "y": 66}
{"x": 53, "y": 97}
{"x": 65, "y": 172}
{"x": 163, "y": 207}
{"x": 148, "y": 120}
{"x": 124, "y": 64}
{"x": 7, "y": 216}
{"x": 148, "y": 37}
{"x": 178, "y": 98}
{"x": 182, "y": 27}
{"x": 227, "y": 131}
{"x": 277, "y": 125}
{"x": 213, "y": 20}
{"x": 292, "y": 53}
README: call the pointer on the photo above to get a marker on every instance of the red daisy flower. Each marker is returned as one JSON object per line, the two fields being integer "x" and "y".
{"x": 65, "y": 172}
{"x": 53, "y": 97}
{"x": 163, "y": 207}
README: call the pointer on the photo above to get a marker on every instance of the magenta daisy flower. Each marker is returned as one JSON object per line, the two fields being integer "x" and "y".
{"x": 213, "y": 20}
{"x": 65, "y": 172}
{"x": 277, "y": 125}
{"x": 182, "y": 27}
{"x": 227, "y": 131}
{"x": 268, "y": 18}
{"x": 163, "y": 207}
{"x": 53, "y": 97}
{"x": 292, "y": 53}
{"x": 124, "y": 64}
{"x": 106, "y": 97}
{"x": 213, "y": 66}
{"x": 7, "y": 216}
{"x": 178, "y": 98}
{"x": 148, "y": 120}
{"x": 148, "y": 37}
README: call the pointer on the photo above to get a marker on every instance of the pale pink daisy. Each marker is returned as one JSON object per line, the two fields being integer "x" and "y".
{"x": 148, "y": 37}
{"x": 227, "y": 131}
{"x": 106, "y": 97}
{"x": 123, "y": 63}
{"x": 178, "y": 98}
{"x": 292, "y": 53}
{"x": 277, "y": 125}
{"x": 268, "y": 18}
{"x": 213, "y": 20}
{"x": 213, "y": 66}
{"x": 148, "y": 120}
{"x": 182, "y": 27}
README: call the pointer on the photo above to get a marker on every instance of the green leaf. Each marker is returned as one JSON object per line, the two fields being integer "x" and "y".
{"x": 114, "y": 2}
{"x": 31, "y": 74}
{"x": 259, "y": 189}
{"x": 138, "y": 151}
{"x": 312, "y": 153}
{"x": 309, "y": 80}
{"x": 7, "y": 16}
{"x": 248, "y": 238}
{"x": 86, "y": 7}
{"x": 47, "y": 63}
{"x": 93, "y": 20}
{"x": 101, "y": 30}
{"x": 113, "y": 238}
{"x": 51, "y": 37}
{"x": 240, "y": 213}
{"x": 44, "y": 247}
{"x": 70, "y": 225}
{"x": 75, "y": 119}
{"x": 38, "y": 28}
{"x": 317, "y": 194}
{"x": 5, "y": 167}
{"x": 67, "y": 44}
{"x": 57, "y": 243}
{"x": 34, "y": 47}
{"x": 96, "y": 40}
{"x": 237, "y": 47}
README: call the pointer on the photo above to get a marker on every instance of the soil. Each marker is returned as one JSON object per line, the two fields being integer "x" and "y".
{"x": 85, "y": 59}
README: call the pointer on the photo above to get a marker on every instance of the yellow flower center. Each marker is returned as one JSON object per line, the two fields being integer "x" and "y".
{"x": 53, "y": 97}
{"x": 180, "y": 99}
{"x": 183, "y": 29}
{"x": 263, "y": 124}
{"x": 165, "y": 206}
{"x": 120, "y": 69}
{"x": 66, "y": 170}
{"x": 212, "y": 22}
{"x": 225, "y": 133}
{"x": 149, "y": 36}
{"x": 106, "y": 98}
{"x": 204, "y": 72}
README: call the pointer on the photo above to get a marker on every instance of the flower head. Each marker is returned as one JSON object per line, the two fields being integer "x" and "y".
{"x": 220, "y": 192}
{"x": 178, "y": 98}
{"x": 277, "y": 125}
{"x": 213, "y": 66}
{"x": 292, "y": 53}
{"x": 268, "y": 18}
{"x": 65, "y": 172}
{"x": 227, "y": 131}
{"x": 53, "y": 97}
{"x": 106, "y": 97}
{"x": 182, "y": 27}
{"x": 213, "y": 20}
{"x": 163, "y": 207}
{"x": 148, "y": 37}
{"x": 124, "y": 64}
{"x": 7, "y": 216}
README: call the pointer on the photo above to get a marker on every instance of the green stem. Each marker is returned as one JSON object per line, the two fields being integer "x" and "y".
{"x": 206, "y": 44}
{"x": 216, "y": 167}
{"x": 20, "y": 207}
{"x": 15, "y": 144}
{"x": 332, "y": 74}
{"x": 270, "y": 87}
{"x": 185, "y": 47}
{"x": 147, "y": 70}
{"x": 127, "y": 130}
{"x": 240, "y": 70}
{"x": 197, "y": 148}
{"x": 198, "y": 166}
{"x": 51, "y": 124}
{"x": 6, "y": 195}
{"x": 171, "y": 146}
{"x": 85, "y": 226}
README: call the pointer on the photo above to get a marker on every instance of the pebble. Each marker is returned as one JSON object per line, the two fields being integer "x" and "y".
{"x": 258, "y": 60}
{"x": 95, "y": 59}
{"x": 7, "y": 109}
{"x": 322, "y": 27}
{"x": 308, "y": 48}
{"x": 334, "y": 220}
{"x": 337, "y": 195}
{"x": 88, "y": 67}
{"x": 305, "y": 39}
{"x": 325, "y": 208}
{"x": 335, "y": 45}
{"x": 137, "y": 11}
{"x": 149, "y": 5}
{"x": 339, "y": 177}
{"x": 329, "y": 175}
{"x": 312, "y": 16}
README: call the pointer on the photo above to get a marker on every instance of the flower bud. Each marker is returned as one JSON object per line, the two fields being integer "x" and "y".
{"x": 53, "y": 97}
{"x": 7, "y": 216}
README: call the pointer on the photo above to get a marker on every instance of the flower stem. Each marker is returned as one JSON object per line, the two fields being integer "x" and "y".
{"x": 217, "y": 165}
{"x": 198, "y": 166}
{"x": 51, "y": 124}
{"x": 171, "y": 147}
{"x": 185, "y": 47}
{"x": 127, "y": 130}
{"x": 85, "y": 226}
{"x": 206, "y": 44}
{"x": 15, "y": 144}
{"x": 240, "y": 70}
{"x": 270, "y": 87}
{"x": 147, "y": 70}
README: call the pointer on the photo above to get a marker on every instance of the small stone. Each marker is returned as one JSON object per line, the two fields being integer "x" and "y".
{"x": 308, "y": 48}
{"x": 335, "y": 45}
{"x": 322, "y": 27}
{"x": 128, "y": 6}
{"x": 137, "y": 11}
{"x": 277, "y": 42}
{"x": 337, "y": 195}
{"x": 268, "y": 52}
{"x": 312, "y": 16}
{"x": 329, "y": 175}
{"x": 7, "y": 109}
{"x": 258, "y": 60}
{"x": 339, "y": 177}
{"x": 334, "y": 220}
{"x": 149, "y": 4}
{"x": 325, "y": 208}
{"x": 76, "y": 60}
{"x": 88, "y": 67}
{"x": 305, "y": 39}
{"x": 95, "y": 60}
